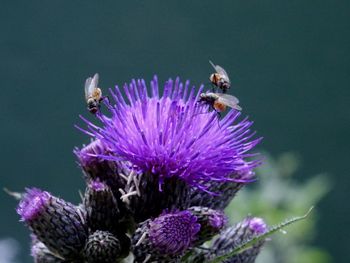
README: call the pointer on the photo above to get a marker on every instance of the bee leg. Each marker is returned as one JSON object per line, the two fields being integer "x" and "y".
{"x": 105, "y": 98}
{"x": 106, "y": 101}
{"x": 219, "y": 117}
{"x": 213, "y": 88}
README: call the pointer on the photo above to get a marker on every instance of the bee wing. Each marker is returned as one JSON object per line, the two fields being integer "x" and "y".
{"x": 91, "y": 85}
{"x": 87, "y": 87}
{"x": 229, "y": 100}
{"x": 212, "y": 64}
{"x": 94, "y": 82}
{"x": 221, "y": 71}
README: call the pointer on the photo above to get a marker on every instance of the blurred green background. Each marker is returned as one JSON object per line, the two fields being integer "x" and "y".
{"x": 289, "y": 63}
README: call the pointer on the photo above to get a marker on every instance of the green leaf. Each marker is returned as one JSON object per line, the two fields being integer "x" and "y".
{"x": 248, "y": 244}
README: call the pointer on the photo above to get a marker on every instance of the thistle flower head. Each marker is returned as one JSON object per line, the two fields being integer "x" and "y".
{"x": 33, "y": 201}
{"x": 58, "y": 224}
{"x": 173, "y": 135}
{"x": 159, "y": 171}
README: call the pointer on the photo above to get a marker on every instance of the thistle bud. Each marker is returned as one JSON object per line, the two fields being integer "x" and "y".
{"x": 102, "y": 247}
{"x": 41, "y": 254}
{"x": 56, "y": 223}
{"x": 96, "y": 168}
{"x": 101, "y": 207}
{"x": 236, "y": 235}
{"x": 211, "y": 221}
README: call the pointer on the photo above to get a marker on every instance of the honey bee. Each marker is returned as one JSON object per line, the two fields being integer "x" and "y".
{"x": 220, "y": 78}
{"x": 93, "y": 94}
{"x": 219, "y": 101}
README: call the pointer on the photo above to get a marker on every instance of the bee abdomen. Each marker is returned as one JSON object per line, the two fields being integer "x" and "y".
{"x": 219, "y": 106}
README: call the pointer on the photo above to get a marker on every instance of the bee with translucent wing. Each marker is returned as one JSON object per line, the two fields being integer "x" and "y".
{"x": 93, "y": 94}
{"x": 220, "y": 78}
{"x": 219, "y": 101}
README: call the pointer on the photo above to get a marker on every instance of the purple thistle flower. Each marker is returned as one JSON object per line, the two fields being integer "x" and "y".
{"x": 166, "y": 237}
{"x": 173, "y": 136}
{"x": 173, "y": 233}
{"x": 160, "y": 170}
{"x": 32, "y": 204}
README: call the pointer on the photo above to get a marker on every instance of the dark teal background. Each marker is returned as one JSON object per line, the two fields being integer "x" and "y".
{"x": 289, "y": 63}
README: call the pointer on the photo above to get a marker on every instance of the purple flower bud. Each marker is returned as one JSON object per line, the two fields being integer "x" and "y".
{"x": 55, "y": 222}
{"x": 166, "y": 237}
{"x": 101, "y": 207}
{"x": 87, "y": 155}
{"x": 236, "y": 235}
{"x": 32, "y": 204}
{"x": 211, "y": 221}
{"x": 102, "y": 247}
{"x": 96, "y": 168}
{"x": 256, "y": 225}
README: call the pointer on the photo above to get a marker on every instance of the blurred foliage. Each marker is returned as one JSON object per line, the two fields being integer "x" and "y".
{"x": 277, "y": 196}
{"x": 9, "y": 250}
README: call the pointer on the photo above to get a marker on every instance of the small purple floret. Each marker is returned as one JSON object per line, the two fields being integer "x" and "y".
{"x": 173, "y": 233}
{"x": 218, "y": 220}
{"x": 97, "y": 185}
{"x": 257, "y": 225}
{"x": 32, "y": 203}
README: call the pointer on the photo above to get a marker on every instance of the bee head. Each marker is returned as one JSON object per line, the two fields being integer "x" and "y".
{"x": 214, "y": 78}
